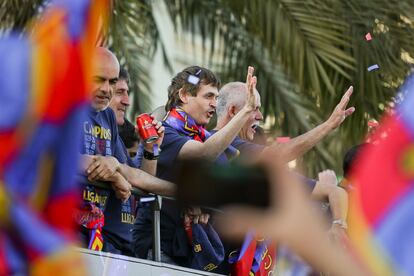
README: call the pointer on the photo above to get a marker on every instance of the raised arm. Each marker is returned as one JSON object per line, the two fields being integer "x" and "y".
{"x": 218, "y": 142}
{"x": 326, "y": 189}
{"x": 298, "y": 146}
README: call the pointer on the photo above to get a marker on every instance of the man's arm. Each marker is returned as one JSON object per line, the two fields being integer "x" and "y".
{"x": 218, "y": 142}
{"x": 297, "y": 146}
{"x": 326, "y": 189}
{"x": 106, "y": 167}
{"x": 142, "y": 180}
{"x": 121, "y": 186}
{"x": 135, "y": 177}
{"x": 100, "y": 168}
{"x": 336, "y": 196}
{"x": 149, "y": 166}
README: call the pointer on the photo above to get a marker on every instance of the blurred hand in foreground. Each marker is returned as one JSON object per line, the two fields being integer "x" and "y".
{"x": 291, "y": 220}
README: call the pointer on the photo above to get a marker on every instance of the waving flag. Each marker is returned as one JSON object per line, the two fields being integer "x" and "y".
{"x": 381, "y": 209}
{"x": 256, "y": 257}
{"x": 44, "y": 84}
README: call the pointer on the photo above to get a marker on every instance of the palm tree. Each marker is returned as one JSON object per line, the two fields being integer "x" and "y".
{"x": 306, "y": 54}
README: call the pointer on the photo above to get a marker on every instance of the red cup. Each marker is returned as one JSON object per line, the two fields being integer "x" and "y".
{"x": 146, "y": 129}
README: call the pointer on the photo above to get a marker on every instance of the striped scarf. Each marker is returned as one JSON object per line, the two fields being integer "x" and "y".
{"x": 187, "y": 126}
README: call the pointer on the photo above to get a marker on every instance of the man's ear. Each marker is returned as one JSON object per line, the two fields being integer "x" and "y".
{"x": 183, "y": 95}
{"x": 231, "y": 110}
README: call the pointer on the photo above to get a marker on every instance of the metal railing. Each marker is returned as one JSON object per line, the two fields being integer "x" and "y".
{"x": 156, "y": 203}
{"x": 156, "y": 208}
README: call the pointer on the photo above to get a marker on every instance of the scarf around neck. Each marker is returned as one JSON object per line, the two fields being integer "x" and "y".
{"x": 187, "y": 126}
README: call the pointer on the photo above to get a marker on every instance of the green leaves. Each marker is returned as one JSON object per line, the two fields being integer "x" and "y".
{"x": 133, "y": 36}
{"x": 16, "y": 14}
{"x": 306, "y": 54}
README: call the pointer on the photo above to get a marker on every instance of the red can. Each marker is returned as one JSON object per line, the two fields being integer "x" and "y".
{"x": 146, "y": 129}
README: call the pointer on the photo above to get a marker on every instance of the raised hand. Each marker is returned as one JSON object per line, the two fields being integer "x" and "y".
{"x": 328, "y": 177}
{"x": 251, "y": 82}
{"x": 341, "y": 112}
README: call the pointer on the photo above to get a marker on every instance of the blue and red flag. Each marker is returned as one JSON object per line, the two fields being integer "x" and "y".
{"x": 381, "y": 219}
{"x": 44, "y": 87}
{"x": 255, "y": 257}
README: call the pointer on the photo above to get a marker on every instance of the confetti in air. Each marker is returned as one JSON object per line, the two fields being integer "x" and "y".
{"x": 373, "y": 67}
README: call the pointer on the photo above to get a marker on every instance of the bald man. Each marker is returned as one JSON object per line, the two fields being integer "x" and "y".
{"x": 105, "y": 159}
{"x": 99, "y": 148}
{"x": 100, "y": 132}
{"x": 232, "y": 97}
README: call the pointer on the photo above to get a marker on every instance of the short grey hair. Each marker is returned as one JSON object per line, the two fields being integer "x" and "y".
{"x": 233, "y": 93}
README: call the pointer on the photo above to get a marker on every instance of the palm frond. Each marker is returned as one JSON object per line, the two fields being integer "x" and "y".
{"x": 134, "y": 37}
{"x": 16, "y": 14}
{"x": 306, "y": 54}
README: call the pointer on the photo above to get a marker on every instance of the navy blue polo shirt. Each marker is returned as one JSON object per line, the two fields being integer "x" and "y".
{"x": 100, "y": 137}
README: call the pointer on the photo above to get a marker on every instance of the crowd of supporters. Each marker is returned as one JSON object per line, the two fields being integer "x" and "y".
{"x": 112, "y": 220}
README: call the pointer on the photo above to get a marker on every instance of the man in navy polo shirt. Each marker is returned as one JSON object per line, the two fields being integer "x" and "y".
{"x": 192, "y": 100}
{"x": 100, "y": 148}
{"x": 104, "y": 157}
{"x": 120, "y": 216}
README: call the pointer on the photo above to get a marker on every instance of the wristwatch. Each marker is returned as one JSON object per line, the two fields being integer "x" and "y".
{"x": 150, "y": 156}
{"x": 342, "y": 223}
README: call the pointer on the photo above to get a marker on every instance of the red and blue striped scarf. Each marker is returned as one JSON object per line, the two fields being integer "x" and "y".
{"x": 187, "y": 126}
